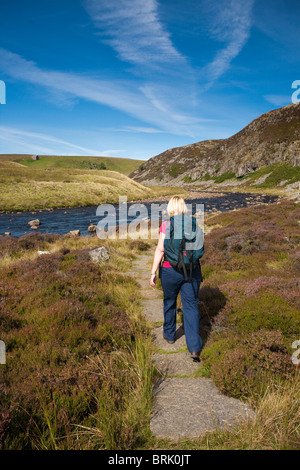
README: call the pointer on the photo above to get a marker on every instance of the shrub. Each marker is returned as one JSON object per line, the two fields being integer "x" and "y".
{"x": 267, "y": 311}
{"x": 225, "y": 176}
{"x": 241, "y": 365}
{"x": 187, "y": 179}
{"x": 176, "y": 170}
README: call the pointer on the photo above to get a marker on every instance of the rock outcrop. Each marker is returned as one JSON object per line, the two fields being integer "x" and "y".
{"x": 99, "y": 254}
{"x": 273, "y": 137}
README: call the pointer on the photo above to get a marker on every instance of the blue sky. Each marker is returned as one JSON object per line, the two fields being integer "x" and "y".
{"x": 132, "y": 78}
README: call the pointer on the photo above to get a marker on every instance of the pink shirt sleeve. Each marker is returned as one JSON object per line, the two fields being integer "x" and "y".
{"x": 162, "y": 228}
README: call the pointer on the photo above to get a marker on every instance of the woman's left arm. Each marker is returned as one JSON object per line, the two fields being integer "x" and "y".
{"x": 159, "y": 252}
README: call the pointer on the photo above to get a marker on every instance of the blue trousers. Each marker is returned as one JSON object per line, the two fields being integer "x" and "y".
{"x": 172, "y": 283}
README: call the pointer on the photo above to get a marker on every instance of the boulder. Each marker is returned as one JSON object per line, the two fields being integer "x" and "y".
{"x": 241, "y": 171}
{"x": 99, "y": 254}
{"x": 35, "y": 222}
{"x": 74, "y": 233}
{"x": 92, "y": 228}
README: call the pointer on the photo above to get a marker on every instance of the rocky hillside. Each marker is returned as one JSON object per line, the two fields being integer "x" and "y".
{"x": 272, "y": 138}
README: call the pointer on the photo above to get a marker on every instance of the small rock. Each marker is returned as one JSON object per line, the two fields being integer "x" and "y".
{"x": 6, "y": 233}
{"x": 74, "y": 233}
{"x": 99, "y": 254}
{"x": 43, "y": 252}
{"x": 92, "y": 228}
{"x": 35, "y": 222}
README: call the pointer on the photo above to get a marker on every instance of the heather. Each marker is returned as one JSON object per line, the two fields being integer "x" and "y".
{"x": 79, "y": 369}
{"x": 77, "y": 362}
{"x": 252, "y": 264}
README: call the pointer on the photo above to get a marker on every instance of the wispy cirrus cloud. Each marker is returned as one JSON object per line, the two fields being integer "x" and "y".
{"x": 134, "y": 30}
{"x": 44, "y": 143}
{"x": 279, "y": 100}
{"x": 229, "y": 22}
{"x": 126, "y": 96}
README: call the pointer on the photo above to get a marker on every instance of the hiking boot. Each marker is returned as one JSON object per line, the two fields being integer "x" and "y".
{"x": 168, "y": 340}
{"x": 195, "y": 356}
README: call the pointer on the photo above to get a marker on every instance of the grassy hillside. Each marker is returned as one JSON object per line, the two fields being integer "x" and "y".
{"x": 25, "y": 188}
{"x": 278, "y": 174}
{"x": 122, "y": 165}
{"x": 29, "y": 188}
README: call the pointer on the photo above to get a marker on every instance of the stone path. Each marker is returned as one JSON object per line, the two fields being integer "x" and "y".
{"x": 185, "y": 406}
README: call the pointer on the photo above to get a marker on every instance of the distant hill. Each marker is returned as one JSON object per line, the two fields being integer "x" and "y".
{"x": 122, "y": 165}
{"x": 24, "y": 188}
{"x": 273, "y": 138}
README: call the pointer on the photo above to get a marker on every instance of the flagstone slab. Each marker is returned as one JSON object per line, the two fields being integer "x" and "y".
{"x": 179, "y": 363}
{"x": 151, "y": 293}
{"x": 161, "y": 343}
{"x": 153, "y": 309}
{"x": 190, "y": 407}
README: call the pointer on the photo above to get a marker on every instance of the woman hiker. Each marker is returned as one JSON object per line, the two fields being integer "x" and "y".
{"x": 174, "y": 281}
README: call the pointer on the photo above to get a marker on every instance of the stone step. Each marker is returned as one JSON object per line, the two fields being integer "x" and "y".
{"x": 153, "y": 309}
{"x": 161, "y": 343}
{"x": 179, "y": 363}
{"x": 190, "y": 407}
{"x": 151, "y": 293}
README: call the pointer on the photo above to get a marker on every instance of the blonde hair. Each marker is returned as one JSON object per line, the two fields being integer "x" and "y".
{"x": 176, "y": 206}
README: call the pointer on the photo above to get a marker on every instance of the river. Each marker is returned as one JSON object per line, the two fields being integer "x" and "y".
{"x": 62, "y": 221}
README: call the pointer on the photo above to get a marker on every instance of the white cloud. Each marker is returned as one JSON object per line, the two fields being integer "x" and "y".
{"x": 133, "y": 29}
{"x": 279, "y": 100}
{"x": 35, "y": 142}
{"x": 126, "y": 96}
{"x": 143, "y": 130}
{"x": 230, "y": 22}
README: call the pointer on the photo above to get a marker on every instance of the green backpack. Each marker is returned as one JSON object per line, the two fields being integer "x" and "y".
{"x": 183, "y": 244}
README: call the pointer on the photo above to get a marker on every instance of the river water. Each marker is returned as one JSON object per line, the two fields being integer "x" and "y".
{"x": 61, "y": 221}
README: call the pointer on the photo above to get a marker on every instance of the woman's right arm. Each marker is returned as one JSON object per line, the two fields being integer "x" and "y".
{"x": 159, "y": 252}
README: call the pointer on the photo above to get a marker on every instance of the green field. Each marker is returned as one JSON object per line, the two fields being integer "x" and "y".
{"x": 33, "y": 187}
{"x": 122, "y": 165}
